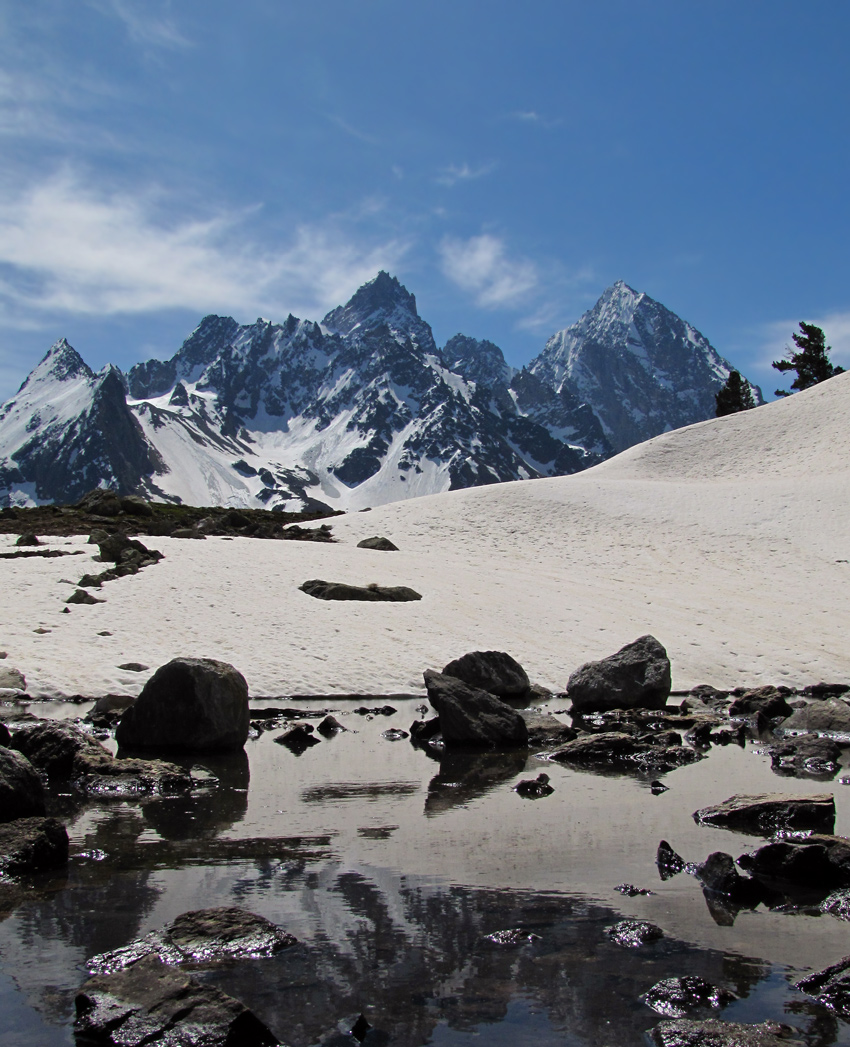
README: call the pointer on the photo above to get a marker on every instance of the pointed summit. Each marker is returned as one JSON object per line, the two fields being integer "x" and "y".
{"x": 60, "y": 363}
{"x": 382, "y": 300}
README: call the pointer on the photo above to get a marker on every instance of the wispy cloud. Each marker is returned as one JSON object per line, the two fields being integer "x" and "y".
{"x": 146, "y": 21}
{"x": 455, "y": 173}
{"x": 480, "y": 265}
{"x": 352, "y": 131}
{"x": 69, "y": 248}
{"x": 531, "y": 116}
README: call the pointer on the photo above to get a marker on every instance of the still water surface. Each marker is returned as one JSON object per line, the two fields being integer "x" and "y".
{"x": 391, "y": 865}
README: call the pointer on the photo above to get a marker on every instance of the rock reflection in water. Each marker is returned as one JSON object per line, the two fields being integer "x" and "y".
{"x": 465, "y": 776}
{"x": 208, "y": 812}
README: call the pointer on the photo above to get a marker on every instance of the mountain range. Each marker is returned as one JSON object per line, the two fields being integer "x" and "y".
{"x": 359, "y": 410}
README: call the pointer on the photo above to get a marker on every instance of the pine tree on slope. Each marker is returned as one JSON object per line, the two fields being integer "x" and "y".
{"x": 811, "y": 361}
{"x": 735, "y": 396}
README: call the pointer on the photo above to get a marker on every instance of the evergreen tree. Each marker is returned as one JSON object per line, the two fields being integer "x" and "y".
{"x": 735, "y": 396}
{"x": 811, "y": 361}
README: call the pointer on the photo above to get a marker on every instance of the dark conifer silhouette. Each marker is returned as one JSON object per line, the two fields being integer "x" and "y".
{"x": 735, "y": 396}
{"x": 811, "y": 361}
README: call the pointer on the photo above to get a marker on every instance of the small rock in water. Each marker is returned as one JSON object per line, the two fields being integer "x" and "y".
{"x": 394, "y": 734}
{"x": 298, "y": 739}
{"x": 630, "y": 891}
{"x": 678, "y": 997}
{"x": 513, "y": 937}
{"x": 669, "y": 863}
{"x": 656, "y": 788}
{"x": 534, "y": 788}
{"x": 837, "y": 904}
{"x": 633, "y": 933}
{"x": 330, "y": 726}
{"x": 360, "y": 1028}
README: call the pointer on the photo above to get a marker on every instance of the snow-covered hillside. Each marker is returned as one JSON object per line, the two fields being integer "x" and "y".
{"x": 728, "y": 540}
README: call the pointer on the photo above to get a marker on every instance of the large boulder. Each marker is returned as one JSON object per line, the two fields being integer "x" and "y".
{"x": 832, "y": 714}
{"x": 819, "y": 862}
{"x": 493, "y": 671}
{"x": 21, "y": 790}
{"x": 53, "y": 745}
{"x": 150, "y": 1002}
{"x": 637, "y": 676}
{"x": 469, "y": 716}
{"x": 30, "y": 845}
{"x": 189, "y": 704}
{"x": 766, "y": 813}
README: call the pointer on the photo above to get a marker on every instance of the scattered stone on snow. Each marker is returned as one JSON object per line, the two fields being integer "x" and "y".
{"x": 767, "y": 813}
{"x": 684, "y": 1032}
{"x": 133, "y": 667}
{"x": 12, "y": 679}
{"x": 638, "y": 675}
{"x": 493, "y": 671}
{"x": 631, "y": 934}
{"x": 382, "y": 544}
{"x": 28, "y": 538}
{"x": 81, "y": 596}
{"x": 679, "y": 997}
{"x": 534, "y": 788}
{"x": 190, "y": 704}
{"x": 322, "y": 590}
{"x": 30, "y": 845}
{"x": 470, "y": 716}
{"x": 21, "y": 788}
{"x": 150, "y": 1002}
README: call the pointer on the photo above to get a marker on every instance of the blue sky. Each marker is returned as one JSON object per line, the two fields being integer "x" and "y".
{"x": 164, "y": 160}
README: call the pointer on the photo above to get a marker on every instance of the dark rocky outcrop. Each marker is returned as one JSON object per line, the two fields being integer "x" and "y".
{"x": 831, "y": 715}
{"x": 837, "y": 904}
{"x": 150, "y": 1002}
{"x": 382, "y": 544}
{"x": 470, "y": 716}
{"x": 322, "y": 590}
{"x": 819, "y": 862}
{"x": 766, "y": 700}
{"x": 654, "y": 752}
{"x": 190, "y": 704}
{"x": 767, "y": 813}
{"x": 493, "y": 671}
{"x": 53, "y": 745}
{"x": 830, "y": 987}
{"x": 21, "y": 789}
{"x": 682, "y": 1032}
{"x": 806, "y": 756}
{"x": 81, "y": 596}
{"x": 718, "y": 873}
{"x": 631, "y": 934}
{"x": 638, "y": 675}
{"x": 678, "y": 997}
{"x": 204, "y": 936}
{"x": 30, "y": 845}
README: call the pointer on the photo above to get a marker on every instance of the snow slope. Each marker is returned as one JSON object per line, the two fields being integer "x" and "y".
{"x": 728, "y": 540}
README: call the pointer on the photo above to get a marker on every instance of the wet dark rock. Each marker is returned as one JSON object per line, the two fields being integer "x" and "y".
{"x": 629, "y": 752}
{"x": 830, "y": 987}
{"x": 382, "y": 544}
{"x": 151, "y": 1002}
{"x": 322, "y": 590}
{"x": 513, "y": 937}
{"x": 109, "y": 709}
{"x": 330, "y": 726}
{"x": 837, "y": 904}
{"x": 5, "y": 736}
{"x": 30, "y": 845}
{"x": 360, "y": 1028}
{"x": 53, "y": 745}
{"x": 630, "y": 891}
{"x": 657, "y": 788}
{"x": 21, "y": 789}
{"x": 493, "y": 671}
{"x": 194, "y": 704}
{"x": 683, "y": 1032}
{"x": 638, "y": 675}
{"x": 718, "y": 873}
{"x": 806, "y": 756}
{"x": 831, "y": 715}
{"x": 81, "y": 596}
{"x": 546, "y": 731}
{"x": 469, "y": 716}
{"x": 379, "y": 710}
{"x": 819, "y": 862}
{"x": 422, "y": 730}
{"x": 28, "y": 538}
{"x": 631, "y": 934}
{"x": 394, "y": 734}
{"x": 298, "y": 739}
{"x": 678, "y": 997}
{"x": 668, "y": 861}
{"x": 535, "y": 788}
{"x": 826, "y": 690}
{"x": 768, "y": 813}
{"x": 766, "y": 700}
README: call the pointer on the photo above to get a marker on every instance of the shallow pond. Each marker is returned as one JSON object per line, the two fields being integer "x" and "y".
{"x": 392, "y": 865}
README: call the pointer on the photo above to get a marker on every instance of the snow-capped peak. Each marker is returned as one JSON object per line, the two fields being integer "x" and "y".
{"x": 380, "y": 301}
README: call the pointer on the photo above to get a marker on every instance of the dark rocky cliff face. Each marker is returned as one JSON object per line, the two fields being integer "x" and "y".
{"x": 360, "y": 410}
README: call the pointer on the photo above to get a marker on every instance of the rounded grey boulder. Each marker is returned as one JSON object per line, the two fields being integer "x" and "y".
{"x": 21, "y": 790}
{"x": 493, "y": 671}
{"x": 636, "y": 677}
{"x": 193, "y": 704}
